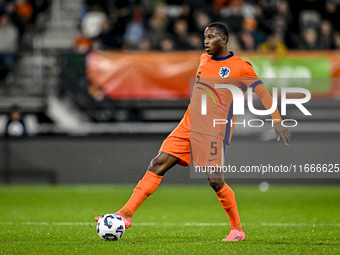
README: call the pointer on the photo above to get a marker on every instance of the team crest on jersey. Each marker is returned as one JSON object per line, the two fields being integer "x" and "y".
{"x": 224, "y": 72}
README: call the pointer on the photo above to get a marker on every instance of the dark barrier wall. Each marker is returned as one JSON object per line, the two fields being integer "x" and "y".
{"x": 124, "y": 159}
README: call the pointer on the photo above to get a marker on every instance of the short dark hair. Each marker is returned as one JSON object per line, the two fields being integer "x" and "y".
{"x": 221, "y": 27}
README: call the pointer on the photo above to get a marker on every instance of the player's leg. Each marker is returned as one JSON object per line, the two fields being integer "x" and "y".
{"x": 209, "y": 151}
{"x": 149, "y": 183}
{"x": 162, "y": 163}
{"x": 174, "y": 150}
{"x": 227, "y": 199}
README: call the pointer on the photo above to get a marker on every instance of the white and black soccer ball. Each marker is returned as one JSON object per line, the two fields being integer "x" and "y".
{"x": 110, "y": 227}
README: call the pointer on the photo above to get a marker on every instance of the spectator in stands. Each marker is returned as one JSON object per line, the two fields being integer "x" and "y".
{"x": 281, "y": 24}
{"x": 325, "y": 35}
{"x": 85, "y": 7}
{"x": 309, "y": 40}
{"x": 38, "y": 7}
{"x": 233, "y": 16}
{"x": 247, "y": 41}
{"x": 144, "y": 45}
{"x": 134, "y": 31}
{"x": 261, "y": 20}
{"x": 156, "y": 32}
{"x": 336, "y": 41}
{"x": 16, "y": 19}
{"x": 273, "y": 44}
{"x": 187, "y": 11}
{"x": 25, "y": 10}
{"x": 331, "y": 12}
{"x": 201, "y": 21}
{"x": 108, "y": 38}
{"x": 81, "y": 43}
{"x": 250, "y": 25}
{"x": 8, "y": 44}
{"x": 152, "y": 21}
{"x": 167, "y": 44}
{"x": 219, "y": 4}
{"x": 195, "y": 41}
{"x": 120, "y": 13}
{"x": 174, "y": 9}
{"x": 181, "y": 33}
{"x": 157, "y": 27}
{"x": 284, "y": 12}
{"x": 309, "y": 19}
{"x": 92, "y": 21}
{"x": 233, "y": 43}
{"x": 15, "y": 126}
{"x": 279, "y": 28}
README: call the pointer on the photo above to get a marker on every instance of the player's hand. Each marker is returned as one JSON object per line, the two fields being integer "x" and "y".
{"x": 282, "y": 132}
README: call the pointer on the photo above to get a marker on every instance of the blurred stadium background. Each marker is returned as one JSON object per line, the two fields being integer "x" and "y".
{"x": 89, "y": 89}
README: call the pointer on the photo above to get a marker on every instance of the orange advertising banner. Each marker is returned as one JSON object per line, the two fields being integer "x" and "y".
{"x": 143, "y": 75}
{"x": 166, "y": 75}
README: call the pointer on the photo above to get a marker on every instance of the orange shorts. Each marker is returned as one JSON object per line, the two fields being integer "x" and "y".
{"x": 206, "y": 150}
{"x": 177, "y": 144}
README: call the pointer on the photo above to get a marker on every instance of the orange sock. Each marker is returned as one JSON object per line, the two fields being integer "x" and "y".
{"x": 227, "y": 199}
{"x": 145, "y": 187}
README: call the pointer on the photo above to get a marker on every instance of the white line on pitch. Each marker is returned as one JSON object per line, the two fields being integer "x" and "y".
{"x": 188, "y": 224}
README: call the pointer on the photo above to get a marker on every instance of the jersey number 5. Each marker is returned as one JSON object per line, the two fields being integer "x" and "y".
{"x": 213, "y": 148}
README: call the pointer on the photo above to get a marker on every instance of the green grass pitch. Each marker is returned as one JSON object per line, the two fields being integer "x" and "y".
{"x": 174, "y": 220}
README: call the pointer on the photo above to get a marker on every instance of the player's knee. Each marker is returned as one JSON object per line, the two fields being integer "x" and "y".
{"x": 158, "y": 165}
{"x": 216, "y": 183}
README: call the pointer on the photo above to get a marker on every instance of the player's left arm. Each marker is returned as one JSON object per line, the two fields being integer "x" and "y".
{"x": 282, "y": 132}
{"x": 250, "y": 79}
{"x": 267, "y": 101}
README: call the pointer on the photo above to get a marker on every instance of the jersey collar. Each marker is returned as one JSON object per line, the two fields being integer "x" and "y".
{"x": 221, "y": 59}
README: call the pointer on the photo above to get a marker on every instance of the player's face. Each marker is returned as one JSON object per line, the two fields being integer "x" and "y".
{"x": 214, "y": 41}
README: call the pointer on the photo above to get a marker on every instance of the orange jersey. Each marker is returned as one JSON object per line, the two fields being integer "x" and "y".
{"x": 230, "y": 70}
{"x": 206, "y": 149}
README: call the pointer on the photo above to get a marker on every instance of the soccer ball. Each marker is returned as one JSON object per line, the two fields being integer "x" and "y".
{"x": 110, "y": 227}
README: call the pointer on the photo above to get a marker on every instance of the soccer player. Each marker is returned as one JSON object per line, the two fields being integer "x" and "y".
{"x": 195, "y": 138}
